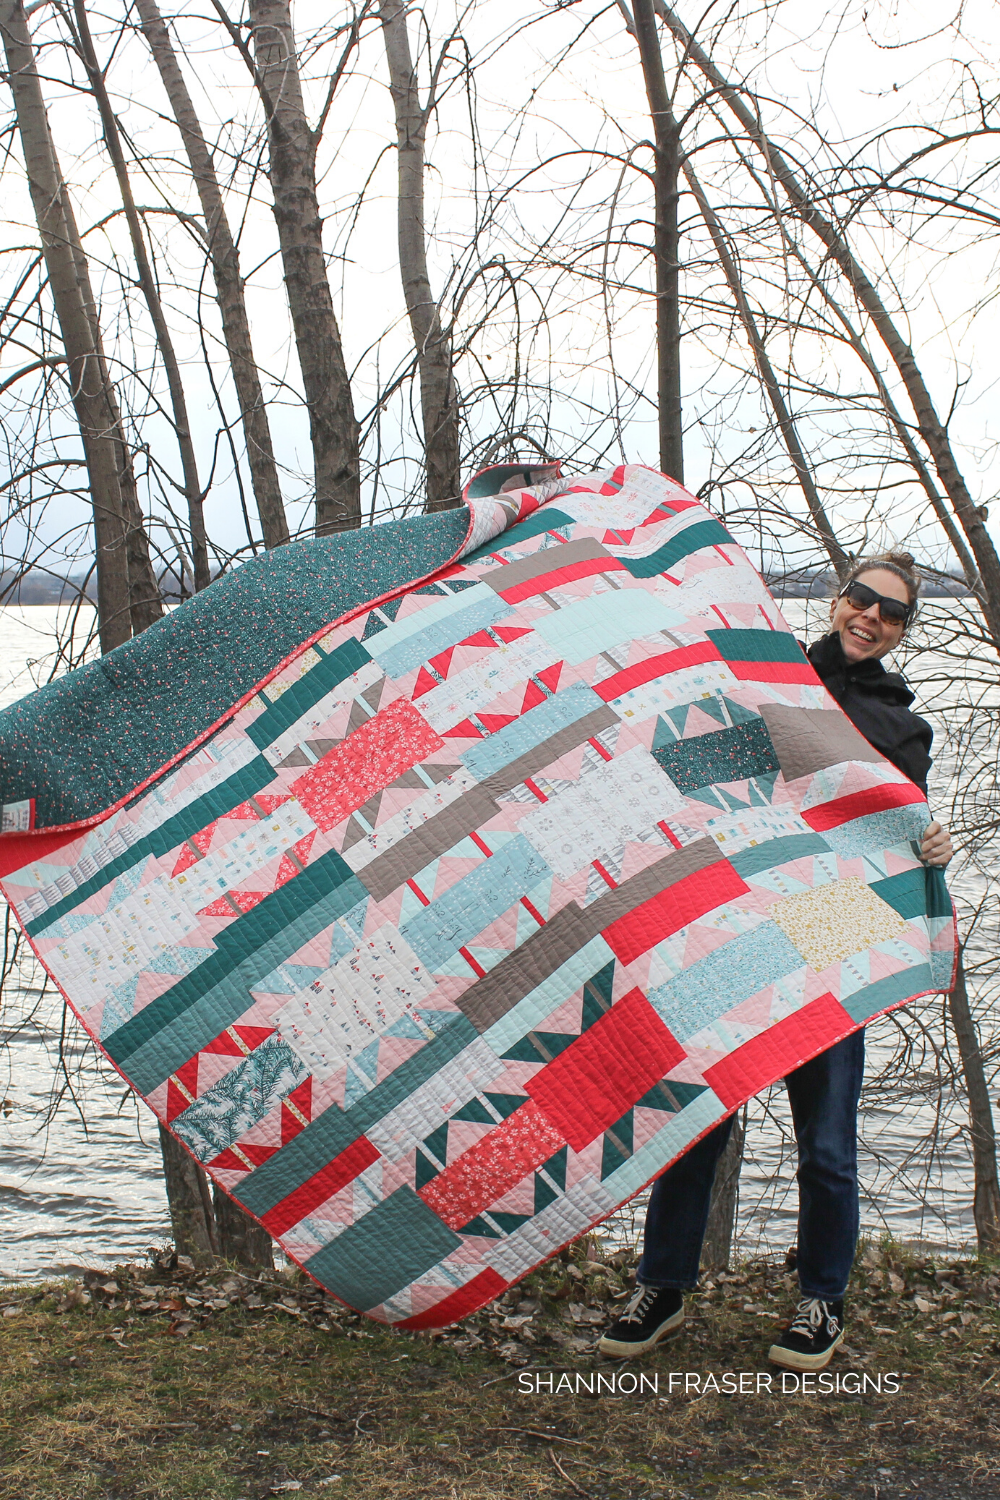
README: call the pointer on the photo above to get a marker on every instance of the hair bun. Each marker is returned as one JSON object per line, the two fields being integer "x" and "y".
{"x": 902, "y": 559}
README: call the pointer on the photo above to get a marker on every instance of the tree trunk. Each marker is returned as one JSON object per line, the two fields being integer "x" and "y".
{"x": 929, "y": 424}
{"x": 190, "y": 1199}
{"x": 228, "y": 283}
{"x": 182, "y": 428}
{"x": 332, "y": 423}
{"x": 96, "y": 412}
{"x": 986, "y": 1202}
{"x": 144, "y": 602}
{"x": 438, "y": 396}
{"x": 666, "y": 243}
{"x": 240, "y": 1238}
{"x": 717, "y": 1245}
{"x": 834, "y": 551}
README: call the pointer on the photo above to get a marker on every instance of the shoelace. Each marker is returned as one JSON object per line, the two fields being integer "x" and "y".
{"x": 642, "y": 1299}
{"x": 809, "y": 1317}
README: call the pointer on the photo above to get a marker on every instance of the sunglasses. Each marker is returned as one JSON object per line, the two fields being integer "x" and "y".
{"x": 892, "y": 611}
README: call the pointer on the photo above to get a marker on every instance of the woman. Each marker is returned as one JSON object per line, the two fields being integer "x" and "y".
{"x": 867, "y": 620}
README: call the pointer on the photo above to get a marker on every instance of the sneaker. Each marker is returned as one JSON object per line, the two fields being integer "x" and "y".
{"x": 651, "y": 1314}
{"x": 810, "y": 1339}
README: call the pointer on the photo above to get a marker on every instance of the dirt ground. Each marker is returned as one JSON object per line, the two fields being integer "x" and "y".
{"x": 167, "y": 1382}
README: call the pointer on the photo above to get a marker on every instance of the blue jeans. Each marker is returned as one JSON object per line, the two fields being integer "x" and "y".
{"x": 823, "y": 1095}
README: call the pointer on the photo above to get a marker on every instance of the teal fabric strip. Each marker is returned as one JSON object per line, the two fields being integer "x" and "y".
{"x": 756, "y": 645}
{"x": 549, "y": 518}
{"x": 691, "y": 539}
{"x": 81, "y": 743}
{"x": 349, "y": 657}
{"x": 390, "y": 1246}
{"x": 243, "y": 937}
{"x": 197, "y": 815}
{"x": 777, "y": 852}
{"x": 334, "y": 1130}
{"x": 892, "y": 991}
{"x": 209, "y": 1014}
{"x": 916, "y": 893}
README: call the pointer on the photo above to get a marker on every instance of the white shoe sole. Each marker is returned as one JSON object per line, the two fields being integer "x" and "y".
{"x": 791, "y": 1360}
{"x": 622, "y": 1349}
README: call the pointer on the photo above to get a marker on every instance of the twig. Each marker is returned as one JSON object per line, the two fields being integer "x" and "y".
{"x": 317, "y": 1411}
{"x": 569, "y": 1480}
{"x": 361, "y": 1431}
{"x": 548, "y": 1437}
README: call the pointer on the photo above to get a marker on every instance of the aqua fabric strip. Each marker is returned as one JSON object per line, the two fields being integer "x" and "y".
{"x": 244, "y": 936}
{"x": 725, "y": 978}
{"x": 191, "y": 819}
{"x": 335, "y": 1129}
{"x": 691, "y": 539}
{"x": 531, "y": 729}
{"x": 379, "y": 1254}
{"x": 296, "y": 700}
{"x": 469, "y": 906}
{"x": 464, "y": 616}
{"x": 589, "y": 626}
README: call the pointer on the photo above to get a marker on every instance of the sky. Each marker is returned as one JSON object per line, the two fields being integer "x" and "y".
{"x": 547, "y": 83}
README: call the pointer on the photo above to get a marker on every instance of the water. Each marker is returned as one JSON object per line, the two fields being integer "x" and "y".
{"x": 80, "y": 1180}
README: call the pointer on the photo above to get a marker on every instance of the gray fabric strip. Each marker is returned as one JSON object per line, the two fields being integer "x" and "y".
{"x": 808, "y": 740}
{"x": 548, "y": 560}
{"x": 469, "y": 812}
{"x": 570, "y": 929}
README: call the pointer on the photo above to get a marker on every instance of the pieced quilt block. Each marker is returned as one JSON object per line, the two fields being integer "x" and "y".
{"x": 494, "y": 897}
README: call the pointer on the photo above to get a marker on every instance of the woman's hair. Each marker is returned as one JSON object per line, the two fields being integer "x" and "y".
{"x": 901, "y": 563}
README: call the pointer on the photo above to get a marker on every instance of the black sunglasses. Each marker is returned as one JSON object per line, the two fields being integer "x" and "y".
{"x": 892, "y": 611}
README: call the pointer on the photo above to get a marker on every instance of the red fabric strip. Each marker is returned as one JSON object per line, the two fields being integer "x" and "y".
{"x": 779, "y": 1050}
{"x": 585, "y": 569}
{"x": 322, "y": 1185}
{"x": 598, "y": 1077}
{"x": 365, "y": 763}
{"x": 860, "y": 804}
{"x": 653, "y": 667}
{"x": 495, "y": 1164}
{"x": 772, "y": 671}
{"x": 464, "y": 1299}
{"x": 670, "y": 910}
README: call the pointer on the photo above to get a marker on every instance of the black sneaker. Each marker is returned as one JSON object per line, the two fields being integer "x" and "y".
{"x": 651, "y": 1314}
{"x": 810, "y": 1339}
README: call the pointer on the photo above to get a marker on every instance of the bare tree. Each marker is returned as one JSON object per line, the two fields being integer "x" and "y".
{"x": 666, "y": 239}
{"x": 438, "y": 396}
{"x": 87, "y": 368}
{"x": 932, "y": 430}
{"x": 228, "y": 282}
{"x": 293, "y": 143}
{"x": 182, "y": 427}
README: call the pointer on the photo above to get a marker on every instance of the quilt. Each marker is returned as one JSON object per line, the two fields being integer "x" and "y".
{"x": 493, "y": 897}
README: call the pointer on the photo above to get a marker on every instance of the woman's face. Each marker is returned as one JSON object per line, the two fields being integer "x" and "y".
{"x": 864, "y": 635}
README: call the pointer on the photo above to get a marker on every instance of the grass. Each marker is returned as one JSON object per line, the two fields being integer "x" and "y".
{"x": 164, "y": 1382}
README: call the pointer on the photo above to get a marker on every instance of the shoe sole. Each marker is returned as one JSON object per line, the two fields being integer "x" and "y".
{"x": 618, "y": 1349}
{"x": 791, "y": 1360}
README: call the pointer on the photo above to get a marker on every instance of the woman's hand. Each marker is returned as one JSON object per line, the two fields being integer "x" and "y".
{"x": 935, "y": 847}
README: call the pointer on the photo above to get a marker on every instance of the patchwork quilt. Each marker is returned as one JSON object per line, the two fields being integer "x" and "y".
{"x": 493, "y": 897}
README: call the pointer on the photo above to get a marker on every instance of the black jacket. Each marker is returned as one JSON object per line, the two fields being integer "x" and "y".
{"x": 878, "y": 703}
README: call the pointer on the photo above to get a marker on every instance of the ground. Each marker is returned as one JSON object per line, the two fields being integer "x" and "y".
{"x": 167, "y": 1383}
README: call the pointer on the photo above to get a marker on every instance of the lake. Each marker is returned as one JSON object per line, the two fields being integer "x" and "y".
{"x": 80, "y": 1180}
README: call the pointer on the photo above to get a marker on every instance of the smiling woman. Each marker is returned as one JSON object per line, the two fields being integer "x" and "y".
{"x": 868, "y": 619}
